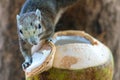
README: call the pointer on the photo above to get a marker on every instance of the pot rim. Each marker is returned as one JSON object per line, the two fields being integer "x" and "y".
{"x": 75, "y": 33}
{"x": 47, "y": 64}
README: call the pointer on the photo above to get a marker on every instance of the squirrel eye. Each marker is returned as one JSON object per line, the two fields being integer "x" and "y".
{"x": 21, "y": 32}
{"x": 31, "y": 23}
{"x": 39, "y": 26}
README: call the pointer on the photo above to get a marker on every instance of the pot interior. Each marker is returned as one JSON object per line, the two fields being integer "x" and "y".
{"x": 61, "y": 40}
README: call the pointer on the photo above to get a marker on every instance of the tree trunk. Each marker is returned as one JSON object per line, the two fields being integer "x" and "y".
{"x": 10, "y": 57}
{"x": 100, "y": 18}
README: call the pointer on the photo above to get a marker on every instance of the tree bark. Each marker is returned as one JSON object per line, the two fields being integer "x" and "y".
{"x": 100, "y": 18}
{"x": 10, "y": 57}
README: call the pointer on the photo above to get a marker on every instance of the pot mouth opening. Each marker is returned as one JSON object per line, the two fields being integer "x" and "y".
{"x": 62, "y": 40}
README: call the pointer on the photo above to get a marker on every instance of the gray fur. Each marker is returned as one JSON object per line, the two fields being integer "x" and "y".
{"x": 37, "y": 21}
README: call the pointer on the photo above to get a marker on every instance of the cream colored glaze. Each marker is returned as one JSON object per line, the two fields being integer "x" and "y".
{"x": 60, "y": 40}
{"x": 74, "y": 52}
{"x": 42, "y": 59}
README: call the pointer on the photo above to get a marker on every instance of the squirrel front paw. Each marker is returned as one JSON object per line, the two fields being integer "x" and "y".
{"x": 50, "y": 40}
{"x": 27, "y": 63}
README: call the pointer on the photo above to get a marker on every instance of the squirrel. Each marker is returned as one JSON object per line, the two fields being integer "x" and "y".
{"x": 36, "y": 21}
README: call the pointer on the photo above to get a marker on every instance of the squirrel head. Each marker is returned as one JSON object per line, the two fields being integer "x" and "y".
{"x": 30, "y": 26}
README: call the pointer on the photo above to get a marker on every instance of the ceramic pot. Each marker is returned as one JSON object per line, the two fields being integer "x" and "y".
{"x": 74, "y": 55}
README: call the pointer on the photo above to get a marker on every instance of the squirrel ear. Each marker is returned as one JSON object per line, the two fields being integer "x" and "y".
{"x": 19, "y": 26}
{"x": 38, "y": 13}
{"x": 17, "y": 17}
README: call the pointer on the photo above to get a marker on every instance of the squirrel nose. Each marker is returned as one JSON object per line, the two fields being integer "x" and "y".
{"x": 33, "y": 41}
